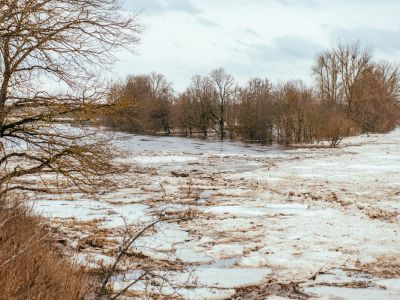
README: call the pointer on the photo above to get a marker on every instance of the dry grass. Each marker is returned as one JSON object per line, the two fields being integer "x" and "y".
{"x": 384, "y": 266}
{"x": 31, "y": 265}
{"x": 289, "y": 290}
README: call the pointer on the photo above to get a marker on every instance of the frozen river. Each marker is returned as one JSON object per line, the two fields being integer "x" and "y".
{"x": 251, "y": 221}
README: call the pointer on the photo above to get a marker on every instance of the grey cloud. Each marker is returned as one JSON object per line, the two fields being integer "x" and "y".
{"x": 207, "y": 22}
{"x": 288, "y": 57}
{"x": 157, "y": 7}
{"x": 283, "y": 2}
{"x": 298, "y": 2}
{"x": 287, "y": 48}
{"x": 383, "y": 40}
{"x": 316, "y": 3}
{"x": 152, "y": 7}
{"x": 250, "y": 31}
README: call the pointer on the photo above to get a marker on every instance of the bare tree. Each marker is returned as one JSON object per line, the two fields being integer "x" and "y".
{"x": 162, "y": 96}
{"x": 353, "y": 61}
{"x": 296, "y": 113}
{"x": 376, "y": 106}
{"x": 389, "y": 76}
{"x": 183, "y": 114}
{"x": 338, "y": 70}
{"x": 51, "y": 52}
{"x": 202, "y": 96}
{"x": 225, "y": 86}
{"x": 349, "y": 81}
{"x": 326, "y": 72}
{"x": 141, "y": 104}
{"x": 256, "y": 110}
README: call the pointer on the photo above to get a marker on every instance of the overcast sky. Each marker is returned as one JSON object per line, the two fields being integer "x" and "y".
{"x": 275, "y": 39}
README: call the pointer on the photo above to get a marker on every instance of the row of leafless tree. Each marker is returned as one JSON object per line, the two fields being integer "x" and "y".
{"x": 353, "y": 94}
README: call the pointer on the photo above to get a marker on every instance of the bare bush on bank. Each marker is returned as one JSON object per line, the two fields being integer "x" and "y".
{"x": 31, "y": 264}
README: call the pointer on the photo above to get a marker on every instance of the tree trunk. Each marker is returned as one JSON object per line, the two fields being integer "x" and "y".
{"x": 221, "y": 123}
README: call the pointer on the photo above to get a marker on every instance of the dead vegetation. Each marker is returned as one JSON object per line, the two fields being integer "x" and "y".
{"x": 127, "y": 256}
{"x": 380, "y": 214}
{"x": 385, "y": 266}
{"x": 31, "y": 264}
{"x": 289, "y": 290}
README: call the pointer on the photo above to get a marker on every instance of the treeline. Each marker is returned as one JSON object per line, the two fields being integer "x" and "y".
{"x": 352, "y": 94}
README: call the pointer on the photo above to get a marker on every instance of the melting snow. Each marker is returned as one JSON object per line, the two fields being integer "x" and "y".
{"x": 310, "y": 216}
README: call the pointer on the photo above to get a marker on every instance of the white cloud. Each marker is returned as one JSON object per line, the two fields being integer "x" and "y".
{"x": 277, "y": 39}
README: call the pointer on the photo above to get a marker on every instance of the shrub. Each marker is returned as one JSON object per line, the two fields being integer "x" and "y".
{"x": 31, "y": 265}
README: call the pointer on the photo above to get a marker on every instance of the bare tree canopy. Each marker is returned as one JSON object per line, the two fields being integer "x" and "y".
{"x": 349, "y": 80}
{"x": 337, "y": 71}
{"x": 51, "y": 55}
{"x": 140, "y": 104}
{"x": 225, "y": 86}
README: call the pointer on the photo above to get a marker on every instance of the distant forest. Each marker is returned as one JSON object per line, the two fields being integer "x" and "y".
{"x": 353, "y": 94}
